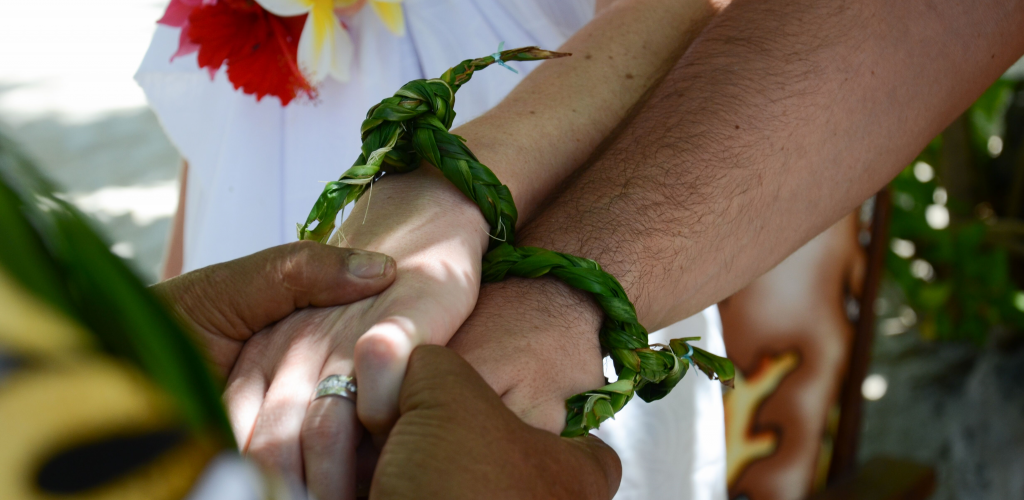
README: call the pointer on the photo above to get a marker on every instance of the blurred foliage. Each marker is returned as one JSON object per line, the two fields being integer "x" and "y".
{"x": 957, "y": 227}
{"x": 51, "y": 250}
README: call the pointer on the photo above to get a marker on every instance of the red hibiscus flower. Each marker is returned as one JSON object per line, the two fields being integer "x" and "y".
{"x": 258, "y": 48}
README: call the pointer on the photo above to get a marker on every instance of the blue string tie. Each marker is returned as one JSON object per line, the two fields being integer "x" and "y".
{"x": 689, "y": 353}
{"x": 497, "y": 58}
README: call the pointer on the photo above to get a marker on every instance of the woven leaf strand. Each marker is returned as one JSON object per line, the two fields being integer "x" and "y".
{"x": 412, "y": 126}
{"x": 650, "y": 372}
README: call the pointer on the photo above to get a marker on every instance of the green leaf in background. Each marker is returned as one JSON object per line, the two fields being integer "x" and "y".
{"x": 23, "y": 254}
{"x": 987, "y": 113}
{"x": 953, "y": 245}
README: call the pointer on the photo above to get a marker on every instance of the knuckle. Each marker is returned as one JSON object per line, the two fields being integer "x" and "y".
{"x": 390, "y": 339}
{"x": 380, "y": 423}
{"x": 298, "y": 266}
{"x": 304, "y": 246}
{"x": 376, "y": 349}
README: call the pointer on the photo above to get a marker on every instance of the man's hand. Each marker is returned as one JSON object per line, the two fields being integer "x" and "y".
{"x": 455, "y": 439}
{"x": 225, "y": 304}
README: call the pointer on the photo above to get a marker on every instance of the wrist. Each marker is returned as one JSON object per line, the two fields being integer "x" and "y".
{"x": 414, "y": 210}
{"x": 496, "y": 142}
{"x": 544, "y": 303}
{"x": 537, "y": 343}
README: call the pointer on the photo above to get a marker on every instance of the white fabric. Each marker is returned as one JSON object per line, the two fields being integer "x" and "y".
{"x": 675, "y": 447}
{"x": 255, "y": 169}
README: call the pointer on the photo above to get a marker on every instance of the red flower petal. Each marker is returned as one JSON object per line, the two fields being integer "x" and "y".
{"x": 176, "y": 15}
{"x": 185, "y": 45}
{"x": 178, "y": 11}
{"x": 259, "y": 48}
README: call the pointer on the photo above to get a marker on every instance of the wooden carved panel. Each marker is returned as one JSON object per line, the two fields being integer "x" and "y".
{"x": 790, "y": 337}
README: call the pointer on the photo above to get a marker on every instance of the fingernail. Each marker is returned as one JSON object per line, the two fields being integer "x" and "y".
{"x": 367, "y": 265}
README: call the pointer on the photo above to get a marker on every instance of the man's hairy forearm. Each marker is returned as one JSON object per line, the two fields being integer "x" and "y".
{"x": 552, "y": 121}
{"x": 782, "y": 117}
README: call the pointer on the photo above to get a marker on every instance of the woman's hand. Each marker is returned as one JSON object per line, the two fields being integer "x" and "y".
{"x": 437, "y": 238}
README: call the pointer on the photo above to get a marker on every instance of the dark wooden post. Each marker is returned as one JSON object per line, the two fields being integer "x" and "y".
{"x": 844, "y": 455}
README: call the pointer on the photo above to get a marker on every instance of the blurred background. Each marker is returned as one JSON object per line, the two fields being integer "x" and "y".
{"x": 68, "y": 97}
{"x": 942, "y": 383}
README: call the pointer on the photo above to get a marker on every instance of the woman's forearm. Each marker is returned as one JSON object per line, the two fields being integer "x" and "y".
{"x": 550, "y": 123}
{"x": 557, "y": 116}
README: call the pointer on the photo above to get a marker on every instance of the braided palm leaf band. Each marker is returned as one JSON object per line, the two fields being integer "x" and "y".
{"x": 412, "y": 126}
{"x": 647, "y": 371}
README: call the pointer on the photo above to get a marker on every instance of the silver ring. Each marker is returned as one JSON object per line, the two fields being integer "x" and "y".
{"x": 336, "y": 385}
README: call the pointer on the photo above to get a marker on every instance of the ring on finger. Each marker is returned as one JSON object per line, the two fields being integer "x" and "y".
{"x": 336, "y": 385}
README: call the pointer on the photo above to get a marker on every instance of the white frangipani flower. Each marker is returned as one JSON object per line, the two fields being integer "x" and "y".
{"x": 325, "y": 47}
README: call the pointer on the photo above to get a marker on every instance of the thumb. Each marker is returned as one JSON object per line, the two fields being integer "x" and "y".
{"x": 238, "y": 298}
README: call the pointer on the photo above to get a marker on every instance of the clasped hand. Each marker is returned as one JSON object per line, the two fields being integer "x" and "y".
{"x": 280, "y": 321}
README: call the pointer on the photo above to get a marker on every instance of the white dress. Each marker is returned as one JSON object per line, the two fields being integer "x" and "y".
{"x": 255, "y": 169}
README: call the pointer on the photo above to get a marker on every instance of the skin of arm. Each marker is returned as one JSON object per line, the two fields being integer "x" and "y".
{"x": 781, "y": 118}
{"x": 557, "y": 117}
{"x": 535, "y": 138}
